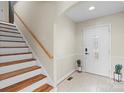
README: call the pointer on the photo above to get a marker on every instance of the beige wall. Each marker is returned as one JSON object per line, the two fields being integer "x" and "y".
{"x": 64, "y": 47}
{"x": 62, "y": 6}
{"x": 62, "y": 37}
{"x": 39, "y": 17}
{"x": 117, "y": 36}
{"x": 5, "y": 7}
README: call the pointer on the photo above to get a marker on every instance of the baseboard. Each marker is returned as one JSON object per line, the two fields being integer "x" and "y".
{"x": 65, "y": 76}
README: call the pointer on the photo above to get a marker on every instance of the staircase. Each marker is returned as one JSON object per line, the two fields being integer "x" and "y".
{"x": 18, "y": 68}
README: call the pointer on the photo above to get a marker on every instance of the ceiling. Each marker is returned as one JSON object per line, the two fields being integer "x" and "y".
{"x": 80, "y": 11}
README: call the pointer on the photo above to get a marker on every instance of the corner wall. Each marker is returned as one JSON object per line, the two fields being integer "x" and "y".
{"x": 64, "y": 47}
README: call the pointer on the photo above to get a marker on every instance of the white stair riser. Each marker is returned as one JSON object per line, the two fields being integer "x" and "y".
{"x": 2, "y": 43}
{"x": 11, "y": 34}
{"x": 13, "y": 50}
{"x": 11, "y": 30}
{"x": 14, "y": 57}
{"x": 2, "y": 25}
{"x": 34, "y": 86}
{"x": 10, "y": 68}
{"x": 11, "y": 38}
{"x": 16, "y": 79}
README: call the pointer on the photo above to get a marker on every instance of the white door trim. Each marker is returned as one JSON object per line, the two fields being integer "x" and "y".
{"x": 94, "y": 26}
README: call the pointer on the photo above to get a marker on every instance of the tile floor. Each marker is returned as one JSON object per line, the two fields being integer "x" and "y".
{"x": 85, "y": 82}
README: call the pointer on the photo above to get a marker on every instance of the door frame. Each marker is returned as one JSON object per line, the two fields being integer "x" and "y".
{"x": 110, "y": 42}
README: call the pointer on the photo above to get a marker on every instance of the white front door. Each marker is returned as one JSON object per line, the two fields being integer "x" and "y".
{"x": 2, "y": 17}
{"x": 97, "y": 48}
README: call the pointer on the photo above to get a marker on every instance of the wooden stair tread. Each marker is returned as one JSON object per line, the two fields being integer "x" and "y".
{"x": 11, "y": 36}
{"x": 18, "y": 72}
{"x": 44, "y": 88}
{"x": 12, "y": 41}
{"x": 9, "y": 31}
{"x": 16, "y": 62}
{"x": 15, "y": 54}
{"x": 13, "y": 46}
{"x": 18, "y": 86}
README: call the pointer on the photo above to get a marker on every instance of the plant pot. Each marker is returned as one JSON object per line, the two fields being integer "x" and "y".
{"x": 79, "y": 69}
{"x": 117, "y": 77}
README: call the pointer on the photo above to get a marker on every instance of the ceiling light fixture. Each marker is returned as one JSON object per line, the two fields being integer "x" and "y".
{"x": 91, "y": 8}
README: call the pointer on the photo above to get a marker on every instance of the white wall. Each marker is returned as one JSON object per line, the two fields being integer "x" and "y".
{"x": 64, "y": 47}
{"x": 117, "y": 36}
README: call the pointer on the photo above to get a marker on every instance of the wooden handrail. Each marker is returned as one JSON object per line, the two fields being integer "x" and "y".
{"x": 41, "y": 45}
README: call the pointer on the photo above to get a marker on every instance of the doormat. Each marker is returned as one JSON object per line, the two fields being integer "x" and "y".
{"x": 70, "y": 78}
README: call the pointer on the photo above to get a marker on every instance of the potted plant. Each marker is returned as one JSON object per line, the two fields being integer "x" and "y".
{"x": 117, "y": 73}
{"x": 79, "y": 66}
